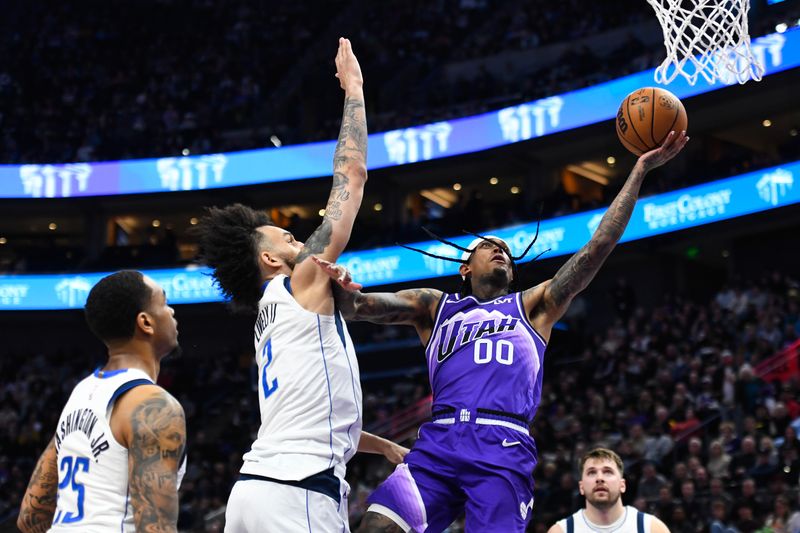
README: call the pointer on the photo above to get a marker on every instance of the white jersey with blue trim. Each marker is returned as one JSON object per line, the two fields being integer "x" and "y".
{"x": 629, "y": 522}
{"x": 309, "y": 391}
{"x": 92, "y": 465}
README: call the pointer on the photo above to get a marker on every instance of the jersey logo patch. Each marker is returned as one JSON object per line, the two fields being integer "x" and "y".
{"x": 524, "y": 508}
{"x": 507, "y": 444}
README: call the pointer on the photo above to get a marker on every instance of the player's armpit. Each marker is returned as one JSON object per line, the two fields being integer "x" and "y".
{"x": 39, "y": 502}
{"x": 156, "y": 446}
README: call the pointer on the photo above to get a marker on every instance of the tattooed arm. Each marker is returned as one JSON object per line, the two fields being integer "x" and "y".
{"x": 547, "y": 302}
{"x": 153, "y": 429}
{"x": 349, "y": 177}
{"x": 39, "y": 502}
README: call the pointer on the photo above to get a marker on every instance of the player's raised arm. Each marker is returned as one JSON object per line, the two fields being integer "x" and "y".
{"x": 155, "y": 434}
{"x": 39, "y": 502}
{"x": 349, "y": 173}
{"x": 547, "y": 302}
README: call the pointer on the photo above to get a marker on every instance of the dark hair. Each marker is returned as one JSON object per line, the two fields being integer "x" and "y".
{"x": 229, "y": 243}
{"x": 114, "y": 303}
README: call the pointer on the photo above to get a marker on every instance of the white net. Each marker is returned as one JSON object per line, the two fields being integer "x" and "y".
{"x": 706, "y": 38}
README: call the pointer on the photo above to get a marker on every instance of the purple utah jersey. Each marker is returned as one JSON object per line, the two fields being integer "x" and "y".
{"x": 476, "y": 455}
{"x": 485, "y": 354}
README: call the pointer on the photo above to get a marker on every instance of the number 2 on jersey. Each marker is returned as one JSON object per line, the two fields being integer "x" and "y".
{"x": 486, "y": 350}
{"x": 72, "y": 465}
{"x": 268, "y": 387}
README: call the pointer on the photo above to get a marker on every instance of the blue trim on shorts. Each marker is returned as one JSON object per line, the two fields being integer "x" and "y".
{"x": 308, "y": 517}
{"x": 325, "y": 483}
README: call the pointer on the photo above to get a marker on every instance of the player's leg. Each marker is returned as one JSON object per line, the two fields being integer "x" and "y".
{"x": 290, "y": 510}
{"x": 414, "y": 498}
{"x": 381, "y": 523}
{"x": 499, "y": 488}
{"x": 499, "y": 501}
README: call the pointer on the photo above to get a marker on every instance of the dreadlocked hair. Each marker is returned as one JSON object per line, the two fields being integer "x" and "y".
{"x": 229, "y": 243}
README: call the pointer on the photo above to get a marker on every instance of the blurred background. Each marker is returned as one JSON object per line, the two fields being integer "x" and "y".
{"x": 682, "y": 355}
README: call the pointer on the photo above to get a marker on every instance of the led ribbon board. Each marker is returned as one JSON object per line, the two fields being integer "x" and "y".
{"x": 778, "y": 52}
{"x": 663, "y": 213}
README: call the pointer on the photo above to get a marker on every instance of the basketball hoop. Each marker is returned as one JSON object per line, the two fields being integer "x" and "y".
{"x": 708, "y": 38}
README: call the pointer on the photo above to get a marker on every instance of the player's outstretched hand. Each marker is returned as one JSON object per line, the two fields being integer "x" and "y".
{"x": 348, "y": 71}
{"x": 395, "y": 453}
{"x": 338, "y": 273}
{"x": 671, "y": 147}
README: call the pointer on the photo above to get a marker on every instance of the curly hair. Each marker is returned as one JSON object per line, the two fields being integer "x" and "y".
{"x": 229, "y": 243}
{"x": 113, "y": 304}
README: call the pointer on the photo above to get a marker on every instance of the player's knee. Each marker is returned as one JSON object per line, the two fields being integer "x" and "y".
{"x": 378, "y": 523}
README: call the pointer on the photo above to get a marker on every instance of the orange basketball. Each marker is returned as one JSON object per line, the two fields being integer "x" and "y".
{"x": 646, "y": 117}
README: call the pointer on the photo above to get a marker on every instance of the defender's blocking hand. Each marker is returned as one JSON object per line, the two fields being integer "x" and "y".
{"x": 338, "y": 273}
{"x": 348, "y": 71}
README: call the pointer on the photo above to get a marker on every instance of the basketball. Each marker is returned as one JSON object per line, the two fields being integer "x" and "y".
{"x": 646, "y": 116}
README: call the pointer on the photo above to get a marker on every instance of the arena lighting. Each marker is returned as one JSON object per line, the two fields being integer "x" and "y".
{"x": 781, "y": 28}
{"x": 3, "y": 240}
{"x": 588, "y": 174}
{"x": 766, "y": 123}
{"x": 743, "y": 195}
{"x": 521, "y": 122}
{"x": 456, "y": 186}
{"x": 514, "y": 190}
{"x": 52, "y": 226}
{"x": 493, "y": 181}
{"x": 193, "y": 221}
{"x": 321, "y": 212}
{"x": 185, "y": 151}
{"x": 611, "y": 160}
{"x": 156, "y": 223}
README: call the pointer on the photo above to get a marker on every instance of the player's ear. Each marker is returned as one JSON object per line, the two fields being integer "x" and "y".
{"x": 580, "y": 487}
{"x": 145, "y": 323}
{"x": 269, "y": 259}
{"x": 622, "y": 486}
{"x": 464, "y": 270}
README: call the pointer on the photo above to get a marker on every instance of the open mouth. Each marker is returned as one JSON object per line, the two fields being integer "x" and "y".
{"x": 499, "y": 258}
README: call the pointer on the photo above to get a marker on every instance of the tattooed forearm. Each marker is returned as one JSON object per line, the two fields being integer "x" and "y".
{"x": 378, "y": 523}
{"x": 352, "y": 144}
{"x": 158, "y": 432}
{"x": 581, "y": 268}
{"x": 39, "y": 501}
{"x": 405, "y": 307}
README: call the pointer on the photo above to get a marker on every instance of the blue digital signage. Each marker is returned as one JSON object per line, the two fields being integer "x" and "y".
{"x": 655, "y": 215}
{"x": 777, "y": 52}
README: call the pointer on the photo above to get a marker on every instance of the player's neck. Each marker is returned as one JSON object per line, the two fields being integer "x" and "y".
{"x": 487, "y": 291}
{"x": 604, "y": 517}
{"x": 125, "y": 357}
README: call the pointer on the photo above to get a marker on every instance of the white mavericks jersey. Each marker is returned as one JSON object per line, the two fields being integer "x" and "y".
{"x": 92, "y": 465}
{"x": 632, "y": 521}
{"x": 309, "y": 391}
